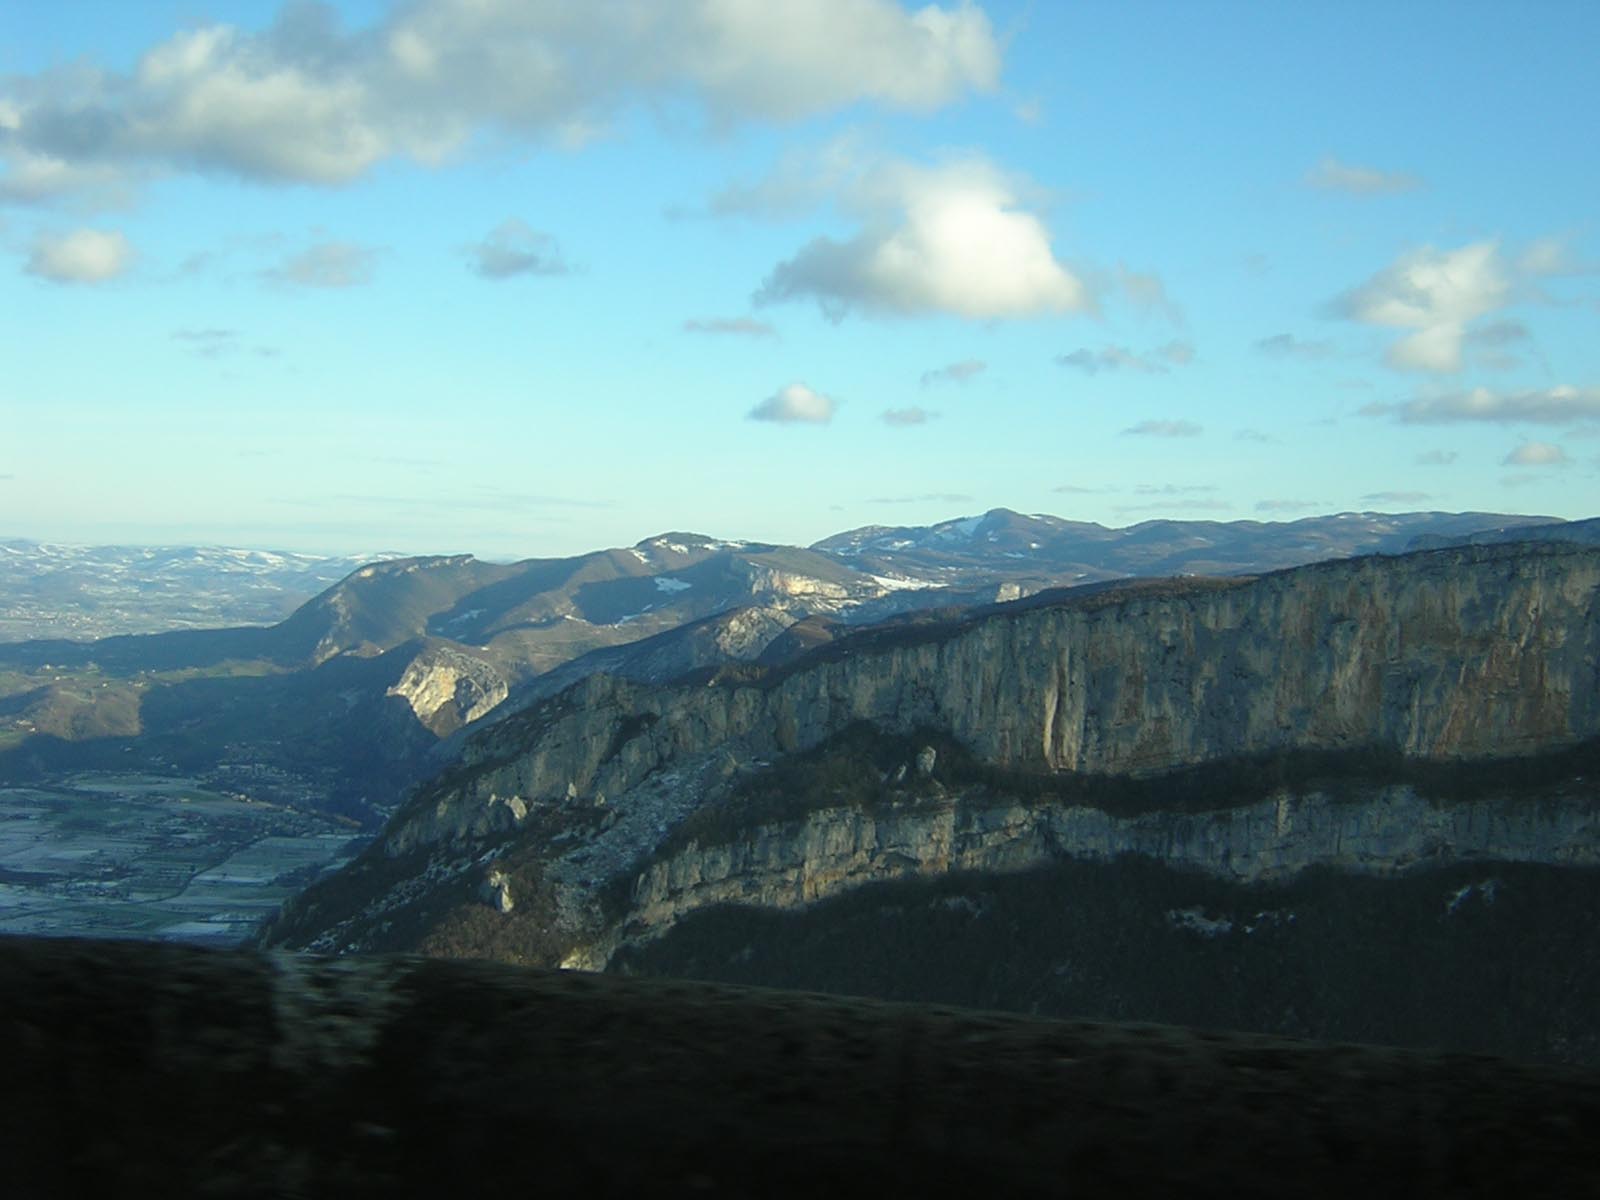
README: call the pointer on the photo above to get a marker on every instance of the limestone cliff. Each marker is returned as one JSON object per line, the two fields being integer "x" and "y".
{"x": 1382, "y": 830}
{"x": 447, "y": 689}
{"x": 1465, "y": 653}
{"x": 584, "y": 808}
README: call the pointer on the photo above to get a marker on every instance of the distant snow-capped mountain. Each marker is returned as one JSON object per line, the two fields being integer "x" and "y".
{"x": 53, "y": 590}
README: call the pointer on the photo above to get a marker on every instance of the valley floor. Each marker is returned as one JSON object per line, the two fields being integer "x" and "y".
{"x": 144, "y": 856}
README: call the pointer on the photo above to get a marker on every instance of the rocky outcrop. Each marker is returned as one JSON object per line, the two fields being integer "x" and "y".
{"x": 1381, "y": 830}
{"x": 447, "y": 689}
{"x": 615, "y": 808}
{"x": 1467, "y": 653}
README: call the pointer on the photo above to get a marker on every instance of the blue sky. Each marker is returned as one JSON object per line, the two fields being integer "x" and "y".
{"x": 523, "y": 278}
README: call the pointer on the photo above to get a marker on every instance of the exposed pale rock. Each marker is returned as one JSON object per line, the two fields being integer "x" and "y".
{"x": 447, "y": 689}
{"x": 1384, "y": 830}
{"x": 496, "y": 891}
{"x": 1455, "y": 654}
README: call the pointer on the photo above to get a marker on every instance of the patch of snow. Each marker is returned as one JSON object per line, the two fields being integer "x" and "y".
{"x": 639, "y": 554}
{"x": 896, "y": 583}
{"x": 667, "y": 584}
{"x": 962, "y": 529}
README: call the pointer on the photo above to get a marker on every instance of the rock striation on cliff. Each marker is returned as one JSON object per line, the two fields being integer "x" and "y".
{"x": 1466, "y": 653}
{"x": 1461, "y": 655}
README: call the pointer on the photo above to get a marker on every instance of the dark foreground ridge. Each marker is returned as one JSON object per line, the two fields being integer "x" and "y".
{"x": 140, "y": 1068}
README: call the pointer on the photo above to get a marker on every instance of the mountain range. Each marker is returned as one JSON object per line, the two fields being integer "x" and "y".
{"x": 367, "y": 687}
{"x": 1348, "y": 800}
{"x": 50, "y": 590}
{"x": 1287, "y": 762}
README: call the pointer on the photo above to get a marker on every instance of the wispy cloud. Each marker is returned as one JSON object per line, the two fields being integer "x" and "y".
{"x": 1175, "y": 506}
{"x": 1396, "y": 497}
{"x": 1146, "y": 292}
{"x": 514, "y": 248}
{"x": 956, "y": 372}
{"x": 1561, "y": 405}
{"x": 1286, "y": 345}
{"x": 925, "y": 498}
{"x": 795, "y": 404}
{"x": 208, "y": 343}
{"x": 902, "y": 417}
{"x": 328, "y": 265}
{"x": 1278, "y": 506}
{"x": 803, "y": 178}
{"x": 1117, "y": 358}
{"x": 1436, "y": 458}
{"x": 1499, "y": 333}
{"x": 1164, "y": 429}
{"x": 1536, "y": 454}
{"x": 731, "y": 327}
{"x": 1331, "y": 175}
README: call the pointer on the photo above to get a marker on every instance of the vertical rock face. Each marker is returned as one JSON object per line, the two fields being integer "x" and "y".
{"x": 1045, "y": 713}
{"x": 447, "y": 689}
{"x": 1463, "y": 653}
{"x": 1382, "y": 830}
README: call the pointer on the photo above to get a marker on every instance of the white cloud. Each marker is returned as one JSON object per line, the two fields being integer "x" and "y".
{"x": 1536, "y": 454}
{"x": 82, "y": 256}
{"x": 956, "y": 372}
{"x": 903, "y": 417}
{"x": 1435, "y": 294}
{"x": 1166, "y": 429}
{"x": 1331, "y": 175}
{"x": 795, "y": 404}
{"x": 515, "y": 248}
{"x": 737, "y": 326}
{"x": 309, "y": 101}
{"x": 1560, "y": 405}
{"x": 328, "y": 265}
{"x": 947, "y": 239}
{"x": 1116, "y": 358}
